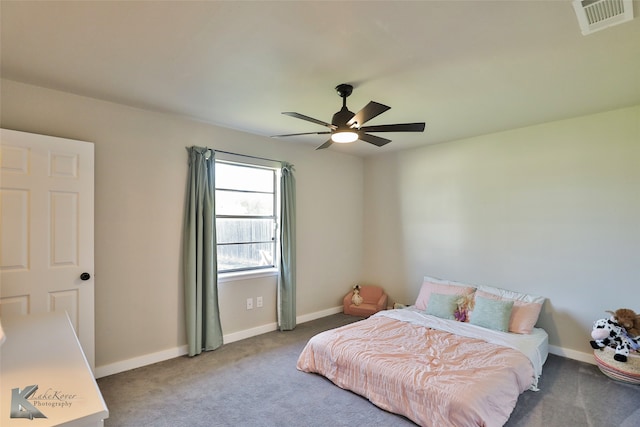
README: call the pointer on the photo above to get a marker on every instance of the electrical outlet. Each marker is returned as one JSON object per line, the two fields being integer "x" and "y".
{"x": 259, "y": 302}
{"x": 249, "y": 303}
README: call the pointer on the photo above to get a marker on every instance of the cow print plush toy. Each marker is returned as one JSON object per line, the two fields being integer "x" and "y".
{"x": 607, "y": 332}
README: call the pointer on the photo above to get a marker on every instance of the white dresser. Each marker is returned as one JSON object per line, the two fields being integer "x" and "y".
{"x": 45, "y": 375}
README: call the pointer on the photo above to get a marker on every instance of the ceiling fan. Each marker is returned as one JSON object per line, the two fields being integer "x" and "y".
{"x": 347, "y": 127}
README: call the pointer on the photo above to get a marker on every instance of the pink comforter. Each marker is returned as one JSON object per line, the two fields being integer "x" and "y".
{"x": 432, "y": 377}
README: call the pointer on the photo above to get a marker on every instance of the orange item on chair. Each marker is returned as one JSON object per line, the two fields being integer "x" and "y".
{"x": 374, "y": 300}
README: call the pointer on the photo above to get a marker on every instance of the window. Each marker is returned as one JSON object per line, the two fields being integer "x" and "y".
{"x": 246, "y": 216}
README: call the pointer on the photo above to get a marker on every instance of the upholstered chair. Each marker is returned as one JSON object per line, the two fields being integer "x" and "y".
{"x": 374, "y": 300}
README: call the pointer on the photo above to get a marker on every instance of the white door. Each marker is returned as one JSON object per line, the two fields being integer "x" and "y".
{"x": 46, "y": 229}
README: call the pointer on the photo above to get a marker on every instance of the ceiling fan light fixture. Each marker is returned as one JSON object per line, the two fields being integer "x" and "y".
{"x": 344, "y": 137}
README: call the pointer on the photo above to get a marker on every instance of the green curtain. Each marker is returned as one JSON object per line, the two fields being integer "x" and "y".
{"x": 200, "y": 264}
{"x": 287, "y": 279}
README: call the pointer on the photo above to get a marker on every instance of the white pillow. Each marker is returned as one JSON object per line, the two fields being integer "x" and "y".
{"x": 445, "y": 282}
{"x": 512, "y": 295}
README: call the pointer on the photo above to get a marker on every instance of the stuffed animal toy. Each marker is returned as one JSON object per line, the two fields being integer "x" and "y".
{"x": 356, "y": 299}
{"x": 628, "y": 319}
{"x": 607, "y": 332}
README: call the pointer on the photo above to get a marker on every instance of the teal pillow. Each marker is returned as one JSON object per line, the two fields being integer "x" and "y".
{"x": 492, "y": 314}
{"x": 441, "y": 305}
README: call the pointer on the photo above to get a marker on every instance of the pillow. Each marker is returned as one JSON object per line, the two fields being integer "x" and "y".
{"x": 442, "y": 305}
{"x": 492, "y": 314}
{"x": 512, "y": 295}
{"x": 524, "y": 314}
{"x": 432, "y": 285}
{"x": 446, "y": 282}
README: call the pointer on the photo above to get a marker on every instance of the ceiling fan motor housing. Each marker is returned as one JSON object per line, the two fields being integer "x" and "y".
{"x": 341, "y": 118}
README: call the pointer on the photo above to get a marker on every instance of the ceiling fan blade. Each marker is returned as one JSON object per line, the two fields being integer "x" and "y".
{"x": 309, "y": 119}
{"x": 304, "y": 133}
{"x": 373, "y": 139}
{"x": 325, "y": 145}
{"x": 400, "y": 127}
{"x": 371, "y": 110}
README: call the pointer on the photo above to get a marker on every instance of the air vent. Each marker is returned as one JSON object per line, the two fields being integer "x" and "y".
{"x": 596, "y": 15}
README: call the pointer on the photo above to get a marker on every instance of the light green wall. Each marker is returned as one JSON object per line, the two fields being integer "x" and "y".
{"x": 552, "y": 209}
{"x": 140, "y": 178}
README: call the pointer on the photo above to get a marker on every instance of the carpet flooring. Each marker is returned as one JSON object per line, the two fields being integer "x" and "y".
{"x": 254, "y": 382}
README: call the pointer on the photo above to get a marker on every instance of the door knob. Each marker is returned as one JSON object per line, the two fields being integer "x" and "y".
{"x": 85, "y": 276}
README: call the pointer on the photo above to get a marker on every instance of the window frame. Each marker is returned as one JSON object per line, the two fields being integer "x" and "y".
{"x": 276, "y": 168}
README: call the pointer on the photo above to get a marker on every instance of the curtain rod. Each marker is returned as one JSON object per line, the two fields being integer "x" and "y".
{"x": 242, "y": 155}
{"x": 246, "y": 155}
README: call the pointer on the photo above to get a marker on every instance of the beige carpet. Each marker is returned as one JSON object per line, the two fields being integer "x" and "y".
{"x": 254, "y": 382}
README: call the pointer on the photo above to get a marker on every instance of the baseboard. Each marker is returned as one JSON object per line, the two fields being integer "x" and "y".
{"x": 318, "y": 314}
{"x": 138, "y": 362}
{"x": 572, "y": 354}
{"x": 148, "y": 359}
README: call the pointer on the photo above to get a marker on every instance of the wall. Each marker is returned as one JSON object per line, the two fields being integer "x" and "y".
{"x": 551, "y": 210}
{"x": 140, "y": 178}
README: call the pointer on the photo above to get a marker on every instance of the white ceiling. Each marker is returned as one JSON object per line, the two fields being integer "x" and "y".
{"x": 464, "y": 67}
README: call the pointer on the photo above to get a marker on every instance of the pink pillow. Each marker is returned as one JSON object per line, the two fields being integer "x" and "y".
{"x": 524, "y": 315}
{"x": 429, "y": 287}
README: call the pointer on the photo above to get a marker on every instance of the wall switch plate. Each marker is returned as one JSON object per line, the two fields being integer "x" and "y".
{"x": 259, "y": 302}
{"x": 249, "y": 303}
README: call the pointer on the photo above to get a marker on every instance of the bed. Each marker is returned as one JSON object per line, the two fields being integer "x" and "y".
{"x": 424, "y": 364}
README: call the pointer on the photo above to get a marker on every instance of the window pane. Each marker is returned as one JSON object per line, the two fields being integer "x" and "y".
{"x": 245, "y": 216}
{"x": 235, "y": 177}
{"x": 243, "y": 256}
{"x": 239, "y": 203}
{"x": 239, "y": 230}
